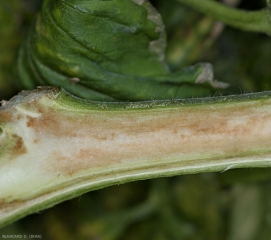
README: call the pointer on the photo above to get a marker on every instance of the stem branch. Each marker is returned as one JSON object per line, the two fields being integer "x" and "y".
{"x": 256, "y": 21}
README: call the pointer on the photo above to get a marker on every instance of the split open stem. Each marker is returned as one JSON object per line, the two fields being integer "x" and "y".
{"x": 54, "y": 146}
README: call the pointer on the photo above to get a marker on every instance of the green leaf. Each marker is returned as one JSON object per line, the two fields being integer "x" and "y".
{"x": 105, "y": 50}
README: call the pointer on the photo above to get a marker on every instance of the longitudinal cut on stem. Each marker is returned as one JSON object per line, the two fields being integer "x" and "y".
{"x": 55, "y": 146}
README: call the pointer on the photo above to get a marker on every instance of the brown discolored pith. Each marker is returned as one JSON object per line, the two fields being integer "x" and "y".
{"x": 6, "y": 116}
{"x": 97, "y": 139}
{"x": 19, "y": 147}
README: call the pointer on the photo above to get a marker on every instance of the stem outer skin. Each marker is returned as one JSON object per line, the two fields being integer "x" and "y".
{"x": 256, "y": 21}
{"x": 54, "y": 146}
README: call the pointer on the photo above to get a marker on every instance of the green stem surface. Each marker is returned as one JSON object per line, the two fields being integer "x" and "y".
{"x": 54, "y": 146}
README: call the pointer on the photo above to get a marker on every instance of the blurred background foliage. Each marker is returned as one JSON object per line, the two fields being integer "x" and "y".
{"x": 235, "y": 204}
